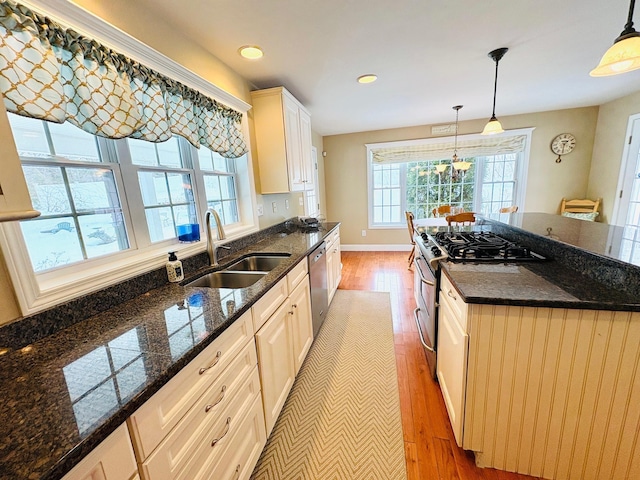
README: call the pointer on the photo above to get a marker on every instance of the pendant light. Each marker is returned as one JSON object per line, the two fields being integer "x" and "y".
{"x": 493, "y": 126}
{"x": 624, "y": 55}
{"x": 455, "y": 163}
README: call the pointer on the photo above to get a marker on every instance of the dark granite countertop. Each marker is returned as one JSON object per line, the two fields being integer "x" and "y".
{"x": 578, "y": 273}
{"x": 65, "y": 393}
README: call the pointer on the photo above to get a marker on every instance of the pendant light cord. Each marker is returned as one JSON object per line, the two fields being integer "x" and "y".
{"x": 455, "y": 145}
{"x": 628, "y": 31}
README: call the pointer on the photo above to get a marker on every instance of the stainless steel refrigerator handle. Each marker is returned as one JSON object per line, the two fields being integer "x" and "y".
{"x": 424, "y": 280}
{"x": 415, "y": 316}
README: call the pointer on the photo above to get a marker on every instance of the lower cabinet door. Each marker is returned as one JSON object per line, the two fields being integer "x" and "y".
{"x": 244, "y": 448}
{"x": 113, "y": 459}
{"x": 453, "y": 347}
{"x": 301, "y": 322}
{"x": 277, "y": 366}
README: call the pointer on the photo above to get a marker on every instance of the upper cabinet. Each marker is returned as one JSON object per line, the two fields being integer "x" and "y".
{"x": 15, "y": 202}
{"x": 283, "y": 141}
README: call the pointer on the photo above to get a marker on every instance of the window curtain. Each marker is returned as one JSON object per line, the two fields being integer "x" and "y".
{"x": 52, "y": 73}
{"x": 438, "y": 151}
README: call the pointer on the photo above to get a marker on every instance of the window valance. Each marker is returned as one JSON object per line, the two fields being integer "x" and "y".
{"x": 421, "y": 150}
{"x": 52, "y": 73}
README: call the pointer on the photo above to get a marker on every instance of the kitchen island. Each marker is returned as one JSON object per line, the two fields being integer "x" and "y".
{"x": 539, "y": 362}
{"x": 64, "y": 393}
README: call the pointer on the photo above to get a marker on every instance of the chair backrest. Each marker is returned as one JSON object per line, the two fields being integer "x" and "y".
{"x": 579, "y": 206}
{"x": 410, "y": 225}
{"x": 511, "y": 209}
{"x": 441, "y": 210}
{"x": 464, "y": 218}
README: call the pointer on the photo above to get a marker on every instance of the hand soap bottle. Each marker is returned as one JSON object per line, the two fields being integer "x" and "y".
{"x": 174, "y": 268}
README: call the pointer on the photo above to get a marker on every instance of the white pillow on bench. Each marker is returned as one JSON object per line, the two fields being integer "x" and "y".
{"x": 591, "y": 216}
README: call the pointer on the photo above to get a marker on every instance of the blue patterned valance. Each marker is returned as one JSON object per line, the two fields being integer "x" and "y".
{"x": 55, "y": 74}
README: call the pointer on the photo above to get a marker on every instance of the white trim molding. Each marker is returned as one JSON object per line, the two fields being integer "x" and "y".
{"x": 381, "y": 247}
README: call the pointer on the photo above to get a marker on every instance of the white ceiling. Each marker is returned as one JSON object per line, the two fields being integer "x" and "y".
{"x": 429, "y": 55}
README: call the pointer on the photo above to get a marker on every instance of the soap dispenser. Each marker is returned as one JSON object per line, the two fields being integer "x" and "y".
{"x": 174, "y": 268}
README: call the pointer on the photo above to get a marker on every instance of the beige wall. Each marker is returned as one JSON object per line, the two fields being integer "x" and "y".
{"x": 607, "y": 150}
{"x": 547, "y": 181}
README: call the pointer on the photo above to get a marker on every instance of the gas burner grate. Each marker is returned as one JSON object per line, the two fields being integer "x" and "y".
{"x": 483, "y": 246}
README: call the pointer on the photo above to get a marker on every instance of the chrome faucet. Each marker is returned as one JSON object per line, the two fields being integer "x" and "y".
{"x": 212, "y": 248}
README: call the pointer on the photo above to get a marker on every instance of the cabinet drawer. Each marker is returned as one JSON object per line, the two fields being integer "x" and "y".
{"x": 153, "y": 421}
{"x": 295, "y": 276}
{"x": 244, "y": 448}
{"x": 269, "y": 303}
{"x": 113, "y": 459}
{"x": 175, "y": 451}
{"x": 449, "y": 294}
{"x": 224, "y": 430}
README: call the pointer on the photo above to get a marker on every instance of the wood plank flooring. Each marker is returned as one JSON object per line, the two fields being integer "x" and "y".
{"x": 430, "y": 448}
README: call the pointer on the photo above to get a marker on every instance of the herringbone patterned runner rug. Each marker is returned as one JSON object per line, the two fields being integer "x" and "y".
{"x": 342, "y": 418}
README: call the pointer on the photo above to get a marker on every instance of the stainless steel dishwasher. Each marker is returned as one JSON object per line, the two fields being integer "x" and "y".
{"x": 318, "y": 281}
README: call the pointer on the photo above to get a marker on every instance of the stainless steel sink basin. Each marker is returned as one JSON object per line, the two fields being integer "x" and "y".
{"x": 225, "y": 279}
{"x": 257, "y": 263}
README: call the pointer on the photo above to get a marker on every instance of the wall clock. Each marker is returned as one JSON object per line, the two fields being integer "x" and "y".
{"x": 563, "y": 144}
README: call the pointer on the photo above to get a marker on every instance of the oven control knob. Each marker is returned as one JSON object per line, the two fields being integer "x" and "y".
{"x": 436, "y": 251}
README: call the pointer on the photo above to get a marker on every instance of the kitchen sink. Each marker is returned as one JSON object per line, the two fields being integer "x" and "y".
{"x": 225, "y": 279}
{"x": 257, "y": 263}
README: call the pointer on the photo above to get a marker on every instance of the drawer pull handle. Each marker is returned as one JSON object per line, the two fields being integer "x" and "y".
{"x": 236, "y": 473}
{"x": 213, "y": 364}
{"x": 226, "y": 430}
{"x": 211, "y": 405}
{"x": 452, "y": 295}
{"x": 294, "y": 305}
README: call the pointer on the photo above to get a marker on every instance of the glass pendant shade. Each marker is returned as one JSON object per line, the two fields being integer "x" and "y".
{"x": 622, "y": 57}
{"x": 492, "y": 127}
{"x": 624, "y": 54}
{"x": 440, "y": 168}
{"x": 464, "y": 166}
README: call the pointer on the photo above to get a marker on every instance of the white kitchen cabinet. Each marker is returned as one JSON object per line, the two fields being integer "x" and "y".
{"x": 113, "y": 459}
{"x": 334, "y": 263}
{"x": 453, "y": 348}
{"x": 283, "y": 341}
{"x": 277, "y": 367}
{"x": 283, "y": 141}
{"x": 183, "y": 431}
{"x": 15, "y": 202}
{"x": 300, "y": 299}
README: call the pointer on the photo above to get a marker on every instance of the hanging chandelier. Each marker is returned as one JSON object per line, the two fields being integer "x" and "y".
{"x": 494, "y": 126}
{"x": 624, "y": 55}
{"x": 456, "y": 164}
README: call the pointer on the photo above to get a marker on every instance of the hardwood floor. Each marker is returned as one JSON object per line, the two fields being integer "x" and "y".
{"x": 430, "y": 448}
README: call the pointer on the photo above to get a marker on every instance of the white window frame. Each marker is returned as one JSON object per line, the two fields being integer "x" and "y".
{"x": 36, "y": 294}
{"x": 521, "y": 179}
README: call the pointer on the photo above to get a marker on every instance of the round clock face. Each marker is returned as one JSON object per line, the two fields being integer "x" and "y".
{"x": 563, "y": 144}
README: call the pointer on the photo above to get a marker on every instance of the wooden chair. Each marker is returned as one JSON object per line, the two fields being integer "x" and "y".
{"x": 412, "y": 230}
{"x": 583, "y": 209}
{"x": 441, "y": 210}
{"x": 464, "y": 218}
{"x": 511, "y": 209}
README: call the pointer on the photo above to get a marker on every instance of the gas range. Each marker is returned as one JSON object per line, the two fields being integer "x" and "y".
{"x": 476, "y": 246}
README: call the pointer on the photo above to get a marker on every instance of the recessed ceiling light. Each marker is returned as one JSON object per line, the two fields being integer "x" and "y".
{"x": 368, "y": 78}
{"x": 251, "y": 52}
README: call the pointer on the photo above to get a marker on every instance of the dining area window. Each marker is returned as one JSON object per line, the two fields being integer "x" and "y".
{"x": 419, "y": 176}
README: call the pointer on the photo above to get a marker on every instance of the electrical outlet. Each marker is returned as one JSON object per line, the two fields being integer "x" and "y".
{"x": 274, "y": 207}
{"x": 364, "y": 233}
{"x": 260, "y": 209}
{"x": 286, "y": 204}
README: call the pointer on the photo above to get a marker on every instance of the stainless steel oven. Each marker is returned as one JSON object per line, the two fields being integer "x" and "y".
{"x": 426, "y": 278}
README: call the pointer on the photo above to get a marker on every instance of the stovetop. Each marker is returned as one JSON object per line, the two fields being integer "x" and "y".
{"x": 482, "y": 246}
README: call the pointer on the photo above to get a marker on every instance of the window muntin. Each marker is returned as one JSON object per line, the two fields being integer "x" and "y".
{"x": 74, "y": 179}
{"x": 419, "y": 188}
{"x": 220, "y": 184}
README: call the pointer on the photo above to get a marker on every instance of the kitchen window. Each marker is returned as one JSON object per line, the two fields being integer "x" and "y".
{"x": 399, "y": 180}
{"x": 113, "y": 201}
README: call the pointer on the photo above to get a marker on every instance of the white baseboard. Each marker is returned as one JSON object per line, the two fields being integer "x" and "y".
{"x": 376, "y": 248}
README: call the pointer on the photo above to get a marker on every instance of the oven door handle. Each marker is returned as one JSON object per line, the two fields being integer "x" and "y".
{"x": 424, "y": 344}
{"x": 419, "y": 270}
